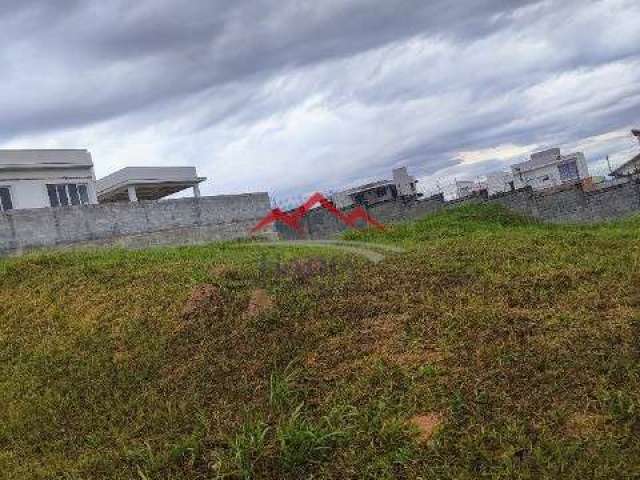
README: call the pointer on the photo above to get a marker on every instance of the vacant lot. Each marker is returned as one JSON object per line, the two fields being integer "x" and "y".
{"x": 493, "y": 348}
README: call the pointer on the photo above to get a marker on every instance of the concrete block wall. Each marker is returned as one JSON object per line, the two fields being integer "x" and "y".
{"x": 320, "y": 224}
{"x": 573, "y": 204}
{"x": 615, "y": 202}
{"x": 569, "y": 204}
{"x": 179, "y": 221}
{"x": 199, "y": 220}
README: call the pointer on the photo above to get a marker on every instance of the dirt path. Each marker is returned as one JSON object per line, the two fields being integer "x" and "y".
{"x": 371, "y": 251}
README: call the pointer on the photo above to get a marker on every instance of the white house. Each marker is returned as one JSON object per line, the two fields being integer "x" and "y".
{"x": 498, "y": 182}
{"x": 403, "y": 185}
{"x": 465, "y": 188}
{"x": 550, "y": 169}
{"x": 628, "y": 169}
{"x": 46, "y": 178}
{"x": 147, "y": 183}
{"x": 631, "y": 167}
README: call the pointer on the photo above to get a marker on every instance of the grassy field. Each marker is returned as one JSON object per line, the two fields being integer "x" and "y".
{"x": 495, "y": 347}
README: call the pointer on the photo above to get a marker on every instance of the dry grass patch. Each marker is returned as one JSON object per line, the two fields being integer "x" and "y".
{"x": 426, "y": 425}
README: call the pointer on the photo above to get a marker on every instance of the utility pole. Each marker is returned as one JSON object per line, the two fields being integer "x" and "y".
{"x": 609, "y": 164}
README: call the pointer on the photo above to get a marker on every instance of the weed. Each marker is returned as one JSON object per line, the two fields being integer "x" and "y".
{"x": 248, "y": 447}
{"x": 303, "y": 442}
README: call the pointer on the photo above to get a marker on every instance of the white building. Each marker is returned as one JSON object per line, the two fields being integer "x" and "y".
{"x": 549, "y": 169}
{"x": 147, "y": 183}
{"x": 499, "y": 182}
{"x": 59, "y": 178}
{"x": 631, "y": 167}
{"x": 628, "y": 169}
{"x": 465, "y": 188}
{"x": 402, "y": 186}
{"x": 46, "y": 178}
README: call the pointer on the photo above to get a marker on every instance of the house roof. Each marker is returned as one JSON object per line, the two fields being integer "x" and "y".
{"x": 367, "y": 186}
{"x": 539, "y": 159}
{"x": 544, "y": 159}
{"x": 152, "y": 183}
{"x": 45, "y": 158}
{"x": 635, "y": 159}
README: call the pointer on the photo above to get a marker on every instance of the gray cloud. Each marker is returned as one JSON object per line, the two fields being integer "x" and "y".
{"x": 121, "y": 56}
{"x": 297, "y": 95}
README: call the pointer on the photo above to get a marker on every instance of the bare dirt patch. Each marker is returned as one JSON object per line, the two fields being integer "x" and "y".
{"x": 204, "y": 299}
{"x": 426, "y": 425}
{"x": 259, "y": 302}
{"x": 305, "y": 269}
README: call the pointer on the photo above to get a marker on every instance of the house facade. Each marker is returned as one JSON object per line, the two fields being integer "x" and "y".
{"x": 549, "y": 168}
{"x": 147, "y": 183}
{"x": 46, "y": 178}
{"x": 628, "y": 169}
{"x": 500, "y": 182}
{"x": 402, "y": 186}
{"x": 465, "y": 188}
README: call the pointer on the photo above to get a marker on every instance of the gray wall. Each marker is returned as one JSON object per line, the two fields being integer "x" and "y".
{"x": 320, "y": 224}
{"x": 169, "y": 222}
{"x": 569, "y": 204}
{"x": 575, "y": 205}
{"x": 205, "y": 219}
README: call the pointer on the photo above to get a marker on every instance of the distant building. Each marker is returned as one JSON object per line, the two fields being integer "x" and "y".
{"x": 403, "y": 186}
{"x": 499, "y": 182}
{"x": 549, "y": 169}
{"x": 465, "y": 188}
{"x": 46, "y": 178}
{"x": 627, "y": 169}
{"x": 147, "y": 183}
{"x": 632, "y": 167}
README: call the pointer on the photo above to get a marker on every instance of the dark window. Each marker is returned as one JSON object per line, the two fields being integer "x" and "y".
{"x": 5, "y": 199}
{"x": 381, "y": 191}
{"x": 84, "y": 197}
{"x": 74, "y": 198}
{"x": 568, "y": 171}
{"x": 62, "y": 195}
{"x": 359, "y": 199}
{"x": 65, "y": 194}
{"x": 53, "y": 196}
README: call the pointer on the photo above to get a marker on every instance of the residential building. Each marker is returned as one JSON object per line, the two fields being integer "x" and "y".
{"x": 405, "y": 183}
{"x": 46, "y": 178}
{"x": 499, "y": 182}
{"x": 403, "y": 186}
{"x": 147, "y": 183}
{"x": 632, "y": 167}
{"x": 465, "y": 188}
{"x": 629, "y": 168}
{"x": 549, "y": 169}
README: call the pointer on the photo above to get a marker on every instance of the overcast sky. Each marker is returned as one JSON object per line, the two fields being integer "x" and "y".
{"x": 293, "y": 96}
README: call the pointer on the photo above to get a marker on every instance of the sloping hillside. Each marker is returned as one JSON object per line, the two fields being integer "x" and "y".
{"x": 495, "y": 347}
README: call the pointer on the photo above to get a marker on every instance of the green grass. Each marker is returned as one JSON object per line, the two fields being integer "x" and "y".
{"x": 522, "y": 337}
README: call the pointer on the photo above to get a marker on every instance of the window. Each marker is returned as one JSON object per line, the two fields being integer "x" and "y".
{"x": 381, "y": 192}
{"x": 64, "y": 194}
{"x": 5, "y": 199}
{"x": 568, "y": 171}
